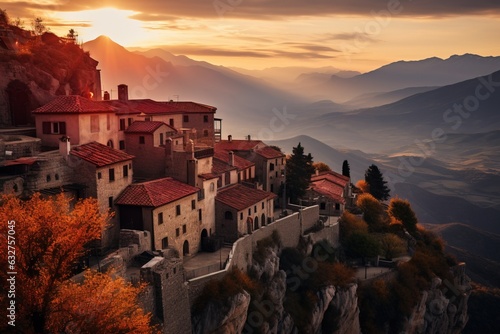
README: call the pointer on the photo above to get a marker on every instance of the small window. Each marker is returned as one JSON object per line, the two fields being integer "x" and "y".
{"x": 111, "y": 174}
{"x": 255, "y": 209}
{"x": 249, "y": 211}
{"x": 271, "y": 167}
{"x": 184, "y": 229}
{"x": 122, "y": 144}
{"x": 110, "y": 144}
{"x": 164, "y": 243}
{"x": 205, "y": 118}
{"x": 130, "y": 166}
{"x": 122, "y": 124}
{"x": 337, "y": 206}
{"x": 241, "y": 215}
{"x": 94, "y": 123}
{"x": 160, "y": 218}
{"x": 177, "y": 232}
{"x": 141, "y": 140}
{"x": 322, "y": 206}
{"x": 99, "y": 175}
{"x": 228, "y": 215}
{"x": 171, "y": 122}
{"x": 178, "y": 210}
{"x": 129, "y": 121}
{"x": 272, "y": 187}
{"x": 161, "y": 138}
{"x": 185, "y": 118}
{"x": 200, "y": 215}
{"x": 110, "y": 201}
{"x": 108, "y": 122}
{"x": 125, "y": 171}
{"x": 56, "y": 177}
{"x": 212, "y": 187}
{"x": 193, "y": 204}
{"x": 54, "y": 128}
{"x": 262, "y": 205}
{"x": 48, "y": 178}
{"x": 148, "y": 119}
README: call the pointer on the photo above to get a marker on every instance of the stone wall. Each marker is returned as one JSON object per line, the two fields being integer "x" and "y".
{"x": 16, "y": 146}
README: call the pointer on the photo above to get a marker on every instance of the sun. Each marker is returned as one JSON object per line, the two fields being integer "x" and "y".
{"x": 115, "y": 23}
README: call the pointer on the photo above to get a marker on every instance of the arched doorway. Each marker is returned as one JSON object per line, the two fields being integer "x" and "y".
{"x": 263, "y": 218}
{"x": 110, "y": 143}
{"x": 20, "y": 102}
{"x": 185, "y": 248}
{"x": 249, "y": 225}
{"x": 256, "y": 223}
{"x": 203, "y": 240}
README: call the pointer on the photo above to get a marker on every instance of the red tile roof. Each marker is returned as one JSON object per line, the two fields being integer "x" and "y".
{"x": 99, "y": 154}
{"x": 329, "y": 189}
{"x": 239, "y": 162}
{"x": 191, "y": 107}
{"x": 147, "y": 127}
{"x": 151, "y": 107}
{"x": 332, "y": 176}
{"x": 220, "y": 167}
{"x": 155, "y": 193}
{"x": 239, "y": 145}
{"x": 73, "y": 104}
{"x": 269, "y": 153}
{"x": 241, "y": 197}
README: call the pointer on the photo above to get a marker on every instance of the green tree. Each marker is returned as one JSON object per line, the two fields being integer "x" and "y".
{"x": 299, "y": 168}
{"x": 378, "y": 186}
{"x": 346, "y": 169}
{"x": 392, "y": 246}
{"x": 401, "y": 210}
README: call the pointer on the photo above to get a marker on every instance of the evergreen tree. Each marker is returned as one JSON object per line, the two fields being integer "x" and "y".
{"x": 378, "y": 186}
{"x": 299, "y": 168}
{"x": 346, "y": 170}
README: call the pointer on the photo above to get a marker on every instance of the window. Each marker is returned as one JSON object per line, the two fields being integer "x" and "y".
{"x": 212, "y": 187}
{"x": 110, "y": 144}
{"x": 185, "y": 118}
{"x": 271, "y": 167}
{"x": 164, "y": 243}
{"x": 178, "y": 210}
{"x": 160, "y": 218}
{"x": 48, "y": 178}
{"x": 148, "y": 119}
{"x": 184, "y": 229}
{"x": 56, "y": 177}
{"x": 122, "y": 144}
{"x": 205, "y": 133}
{"x": 171, "y": 122}
{"x": 272, "y": 187}
{"x": 125, "y": 171}
{"x": 262, "y": 205}
{"x": 108, "y": 122}
{"x": 229, "y": 215}
{"x": 337, "y": 206}
{"x": 249, "y": 211}
{"x": 177, "y": 232}
{"x": 56, "y": 128}
{"x": 110, "y": 201}
{"x": 122, "y": 124}
{"x": 193, "y": 204}
{"x": 161, "y": 138}
{"x": 111, "y": 174}
{"x": 94, "y": 123}
{"x": 141, "y": 140}
{"x": 205, "y": 118}
{"x": 99, "y": 175}
{"x": 276, "y": 174}
{"x": 322, "y": 206}
{"x": 255, "y": 209}
{"x": 200, "y": 216}
{"x": 241, "y": 215}
{"x": 130, "y": 166}
{"x": 130, "y": 120}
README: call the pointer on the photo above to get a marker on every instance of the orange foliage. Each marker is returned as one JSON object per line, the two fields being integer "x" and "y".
{"x": 350, "y": 223}
{"x": 363, "y": 185}
{"x": 100, "y": 305}
{"x": 49, "y": 239}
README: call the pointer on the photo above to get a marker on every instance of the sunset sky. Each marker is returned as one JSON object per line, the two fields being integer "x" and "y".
{"x": 255, "y": 34}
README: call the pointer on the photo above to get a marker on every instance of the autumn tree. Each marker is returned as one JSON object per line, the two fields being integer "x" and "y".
{"x": 49, "y": 238}
{"x": 373, "y": 212}
{"x": 350, "y": 223}
{"x": 378, "y": 186}
{"x": 299, "y": 168}
{"x": 401, "y": 210}
{"x": 363, "y": 245}
{"x": 363, "y": 186}
{"x": 346, "y": 169}
{"x": 392, "y": 246}
{"x": 101, "y": 304}
{"x": 321, "y": 167}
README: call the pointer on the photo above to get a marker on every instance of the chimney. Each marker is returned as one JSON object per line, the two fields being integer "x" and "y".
{"x": 316, "y": 171}
{"x": 229, "y": 138}
{"x": 106, "y": 96}
{"x": 231, "y": 158}
{"x": 123, "y": 92}
{"x": 249, "y": 138}
{"x": 64, "y": 146}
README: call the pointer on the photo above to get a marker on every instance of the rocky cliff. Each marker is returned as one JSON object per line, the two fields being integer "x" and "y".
{"x": 33, "y": 69}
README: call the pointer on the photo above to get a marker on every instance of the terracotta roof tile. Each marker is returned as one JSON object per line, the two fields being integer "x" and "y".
{"x": 333, "y": 177}
{"x": 147, "y": 127}
{"x": 238, "y": 145}
{"x": 73, "y": 104}
{"x": 329, "y": 189}
{"x": 239, "y": 162}
{"x": 269, "y": 153}
{"x": 220, "y": 167}
{"x": 155, "y": 193}
{"x": 99, "y": 155}
{"x": 191, "y": 107}
{"x": 241, "y": 197}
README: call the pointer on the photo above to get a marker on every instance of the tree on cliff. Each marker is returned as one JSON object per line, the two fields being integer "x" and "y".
{"x": 378, "y": 186}
{"x": 4, "y": 18}
{"x": 401, "y": 210}
{"x": 299, "y": 168}
{"x": 50, "y": 237}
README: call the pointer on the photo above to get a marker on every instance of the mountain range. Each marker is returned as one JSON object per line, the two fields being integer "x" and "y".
{"x": 432, "y": 126}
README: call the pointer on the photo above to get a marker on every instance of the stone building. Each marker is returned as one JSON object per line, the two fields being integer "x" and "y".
{"x": 245, "y": 169}
{"x": 331, "y": 191}
{"x": 104, "y": 172}
{"x": 241, "y": 210}
{"x": 167, "y": 208}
